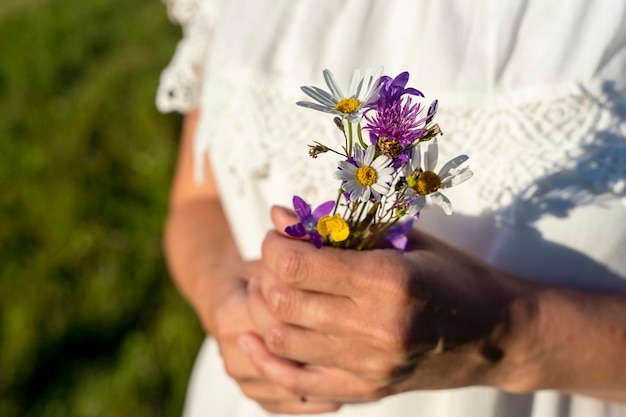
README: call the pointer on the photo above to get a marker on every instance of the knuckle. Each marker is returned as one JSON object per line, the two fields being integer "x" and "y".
{"x": 393, "y": 338}
{"x": 379, "y": 369}
{"x": 276, "y": 339}
{"x": 289, "y": 266}
{"x": 293, "y": 386}
{"x": 281, "y": 302}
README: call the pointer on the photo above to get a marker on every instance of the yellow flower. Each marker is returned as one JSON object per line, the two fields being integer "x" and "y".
{"x": 335, "y": 225}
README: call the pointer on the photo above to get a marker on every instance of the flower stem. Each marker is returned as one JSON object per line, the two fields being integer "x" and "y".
{"x": 350, "y": 138}
{"x": 360, "y": 135}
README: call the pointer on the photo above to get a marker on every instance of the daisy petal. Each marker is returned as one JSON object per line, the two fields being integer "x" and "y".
{"x": 452, "y": 164}
{"x": 369, "y": 155}
{"x": 332, "y": 85}
{"x": 317, "y": 107}
{"x": 431, "y": 155}
{"x": 380, "y": 188}
{"x": 318, "y": 94}
{"x": 442, "y": 201}
{"x": 355, "y": 84}
{"x": 460, "y": 177}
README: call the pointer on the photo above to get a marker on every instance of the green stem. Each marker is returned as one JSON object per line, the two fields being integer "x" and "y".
{"x": 337, "y": 201}
{"x": 360, "y": 135}
{"x": 350, "y": 139}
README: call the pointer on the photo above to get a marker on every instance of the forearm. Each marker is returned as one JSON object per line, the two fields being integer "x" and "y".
{"x": 198, "y": 242}
{"x": 570, "y": 340}
{"x": 521, "y": 335}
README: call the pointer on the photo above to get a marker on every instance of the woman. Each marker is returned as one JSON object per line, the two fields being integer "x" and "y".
{"x": 519, "y": 291}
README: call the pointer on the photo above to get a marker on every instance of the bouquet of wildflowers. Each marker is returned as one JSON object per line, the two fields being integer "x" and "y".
{"x": 387, "y": 167}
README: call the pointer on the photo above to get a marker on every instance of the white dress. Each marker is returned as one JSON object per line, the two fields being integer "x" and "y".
{"x": 534, "y": 91}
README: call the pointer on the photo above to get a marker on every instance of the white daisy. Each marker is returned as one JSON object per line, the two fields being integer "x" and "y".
{"x": 424, "y": 184}
{"x": 362, "y": 91}
{"x": 369, "y": 177}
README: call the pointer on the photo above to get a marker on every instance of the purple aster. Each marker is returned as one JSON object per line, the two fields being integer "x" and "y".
{"x": 400, "y": 121}
{"x": 308, "y": 220}
{"x": 392, "y": 89}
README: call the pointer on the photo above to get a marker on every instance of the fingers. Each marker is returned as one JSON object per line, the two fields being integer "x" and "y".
{"x": 271, "y": 396}
{"x": 282, "y": 217}
{"x": 311, "y": 381}
{"x": 312, "y": 310}
{"x": 299, "y": 407}
{"x": 360, "y": 353}
{"x": 327, "y": 270}
{"x": 249, "y": 270}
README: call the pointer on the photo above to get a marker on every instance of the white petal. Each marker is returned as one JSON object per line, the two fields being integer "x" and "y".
{"x": 348, "y": 167}
{"x": 381, "y": 188}
{"x": 332, "y": 85}
{"x": 431, "y": 155}
{"x": 320, "y": 95}
{"x": 417, "y": 204}
{"x": 352, "y": 186}
{"x": 416, "y": 160}
{"x": 442, "y": 201}
{"x": 380, "y": 162}
{"x": 369, "y": 155}
{"x": 460, "y": 177}
{"x": 355, "y": 85}
{"x": 452, "y": 164}
{"x": 316, "y": 106}
{"x": 363, "y": 194}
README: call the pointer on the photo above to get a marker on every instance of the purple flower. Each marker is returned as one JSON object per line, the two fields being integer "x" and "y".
{"x": 392, "y": 89}
{"x": 400, "y": 122}
{"x": 308, "y": 220}
{"x": 396, "y": 235}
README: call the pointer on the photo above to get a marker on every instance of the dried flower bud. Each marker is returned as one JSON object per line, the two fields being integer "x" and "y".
{"x": 339, "y": 123}
{"x": 431, "y": 132}
{"x": 317, "y": 149}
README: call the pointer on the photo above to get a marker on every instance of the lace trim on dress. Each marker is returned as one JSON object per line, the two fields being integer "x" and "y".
{"x": 516, "y": 147}
{"x": 179, "y": 84}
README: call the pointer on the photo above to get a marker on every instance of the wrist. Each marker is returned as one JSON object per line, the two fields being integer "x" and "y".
{"x": 519, "y": 368}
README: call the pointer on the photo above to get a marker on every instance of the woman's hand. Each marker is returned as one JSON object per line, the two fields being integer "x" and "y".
{"x": 374, "y": 323}
{"x": 225, "y": 316}
{"x": 363, "y": 325}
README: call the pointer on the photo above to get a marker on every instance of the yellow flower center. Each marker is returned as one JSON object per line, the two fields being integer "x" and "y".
{"x": 348, "y": 105}
{"x": 335, "y": 226}
{"x": 427, "y": 183}
{"x": 366, "y": 176}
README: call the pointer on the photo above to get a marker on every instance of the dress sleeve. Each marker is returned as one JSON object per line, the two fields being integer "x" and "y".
{"x": 180, "y": 82}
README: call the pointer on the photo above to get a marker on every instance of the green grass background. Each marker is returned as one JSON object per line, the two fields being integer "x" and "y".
{"x": 90, "y": 324}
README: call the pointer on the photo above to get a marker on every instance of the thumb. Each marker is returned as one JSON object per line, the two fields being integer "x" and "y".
{"x": 282, "y": 217}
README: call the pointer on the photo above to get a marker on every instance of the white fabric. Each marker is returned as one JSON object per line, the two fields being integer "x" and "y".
{"x": 533, "y": 91}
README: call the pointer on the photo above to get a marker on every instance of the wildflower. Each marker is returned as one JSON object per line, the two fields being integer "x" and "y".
{"x": 335, "y": 226}
{"x": 362, "y": 90}
{"x": 392, "y": 89}
{"x": 399, "y": 123}
{"x": 396, "y": 235}
{"x": 308, "y": 220}
{"x": 424, "y": 184}
{"x": 366, "y": 176}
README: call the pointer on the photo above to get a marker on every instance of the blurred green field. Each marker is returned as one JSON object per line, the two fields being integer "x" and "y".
{"x": 90, "y": 324}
